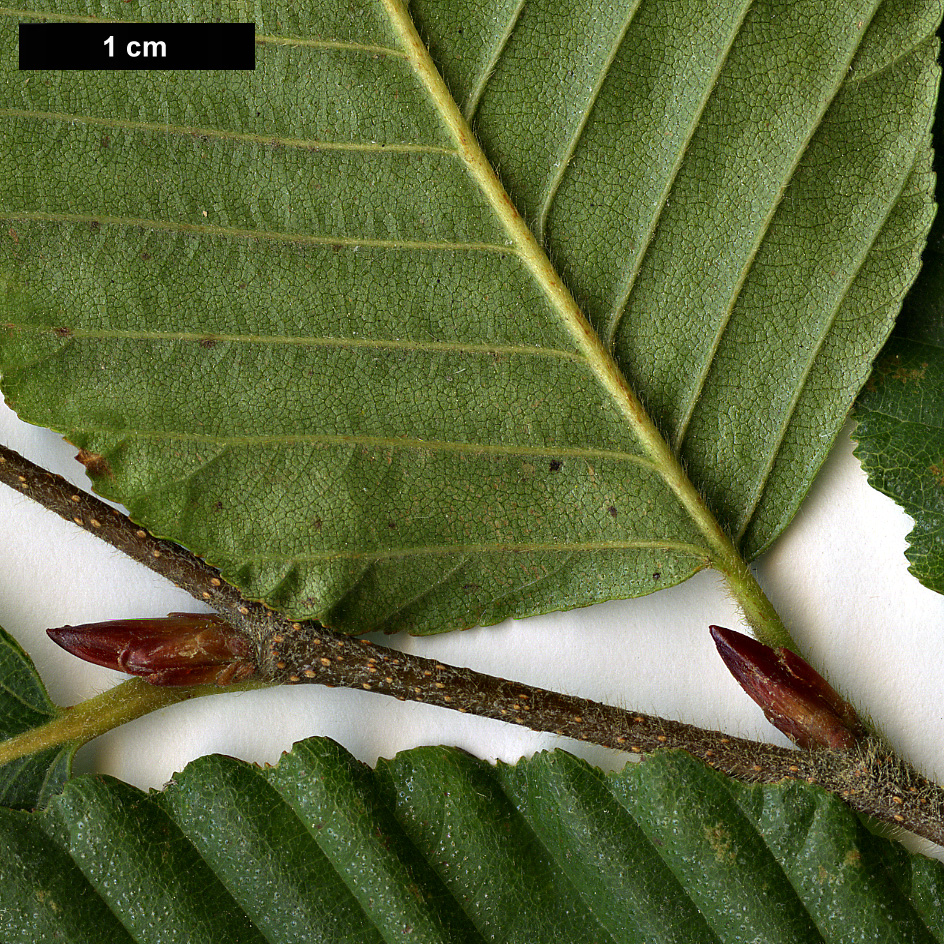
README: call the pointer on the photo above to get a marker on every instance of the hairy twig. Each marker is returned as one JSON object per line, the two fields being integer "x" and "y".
{"x": 868, "y": 777}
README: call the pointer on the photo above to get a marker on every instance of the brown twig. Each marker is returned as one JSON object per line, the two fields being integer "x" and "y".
{"x": 869, "y": 778}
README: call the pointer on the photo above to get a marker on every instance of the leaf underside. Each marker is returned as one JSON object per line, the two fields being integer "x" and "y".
{"x": 30, "y": 782}
{"x": 438, "y": 846}
{"x": 280, "y": 316}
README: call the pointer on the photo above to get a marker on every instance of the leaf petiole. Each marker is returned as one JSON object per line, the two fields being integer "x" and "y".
{"x": 89, "y": 719}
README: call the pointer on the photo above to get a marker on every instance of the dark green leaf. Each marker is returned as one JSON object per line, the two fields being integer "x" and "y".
{"x": 24, "y": 704}
{"x": 900, "y": 435}
{"x": 438, "y": 846}
{"x": 900, "y": 412}
{"x": 281, "y": 315}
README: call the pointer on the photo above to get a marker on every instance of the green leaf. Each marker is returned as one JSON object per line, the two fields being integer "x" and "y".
{"x": 296, "y": 325}
{"x": 901, "y": 443}
{"x": 437, "y": 846}
{"x": 900, "y": 412}
{"x": 24, "y": 704}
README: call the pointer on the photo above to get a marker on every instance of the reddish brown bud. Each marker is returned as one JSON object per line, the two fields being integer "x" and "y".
{"x": 182, "y": 649}
{"x": 795, "y": 698}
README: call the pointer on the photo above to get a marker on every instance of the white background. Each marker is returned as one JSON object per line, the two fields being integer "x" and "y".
{"x": 838, "y": 577}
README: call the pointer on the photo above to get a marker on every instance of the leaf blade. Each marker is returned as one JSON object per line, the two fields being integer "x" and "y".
{"x": 455, "y": 826}
{"x": 901, "y": 446}
{"x": 31, "y": 781}
{"x": 36, "y": 870}
{"x": 707, "y": 108}
{"x": 303, "y": 446}
{"x": 898, "y": 433}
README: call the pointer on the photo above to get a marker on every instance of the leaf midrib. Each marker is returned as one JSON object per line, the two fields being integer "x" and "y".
{"x": 720, "y": 550}
{"x": 514, "y": 239}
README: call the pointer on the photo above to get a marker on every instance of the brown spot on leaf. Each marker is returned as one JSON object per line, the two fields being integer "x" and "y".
{"x": 62, "y": 331}
{"x": 891, "y": 366}
{"x": 208, "y": 342}
{"x": 938, "y": 472}
{"x": 13, "y": 234}
{"x": 93, "y": 462}
{"x": 907, "y": 374}
{"x": 106, "y": 140}
{"x": 94, "y": 226}
{"x": 719, "y": 839}
{"x": 612, "y": 510}
{"x": 144, "y": 256}
{"x": 556, "y": 465}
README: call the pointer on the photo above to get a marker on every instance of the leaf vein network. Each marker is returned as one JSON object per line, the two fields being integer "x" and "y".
{"x": 548, "y": 850}
{"x": 308, "y": 144}
{"x": 449, "y": 347}
{"x": 561, "y": 562}
{"x": 630, "y": 279}
{"x": 478, "y": 88}
{"x": 557, "y": 176}
{"x": 760, "y": 839}
{"x": 760, "y": 238}
{"x": 9, "y": 692}
{"x": 421, "y": 594}
{"x": 750, "y": 508}
{"x": 854, "y": 78}
{"x": 384, "y": 442}
{"x": 679, "y": 547}
{"x": 366, "y": 48}
{"x": 238, "y": 233}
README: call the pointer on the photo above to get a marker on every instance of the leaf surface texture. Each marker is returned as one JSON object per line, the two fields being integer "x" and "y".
{"x": 29, "y": 782}
{"x": 292, "y": 332}
{"x": 437, "y": 846}
{"x": 900, "y": 412}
